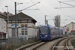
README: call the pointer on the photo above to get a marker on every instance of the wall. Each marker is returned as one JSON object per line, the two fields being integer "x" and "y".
{"x": 71, "y": 26}
{"x": 2, "y": 25}
{"x": 31, "y": 30}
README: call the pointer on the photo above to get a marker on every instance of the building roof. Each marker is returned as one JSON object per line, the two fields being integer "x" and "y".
{"x": 5, "y": 13}
{"x": 70, "y": 23}
{"x": 22, "y": 16}
{"x": 2, "y": 16}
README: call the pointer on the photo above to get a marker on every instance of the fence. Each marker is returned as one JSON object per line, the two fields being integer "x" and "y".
{"x": 13, "y": 40}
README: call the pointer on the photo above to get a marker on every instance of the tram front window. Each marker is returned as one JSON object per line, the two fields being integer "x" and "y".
{"x": 44, "y": 30}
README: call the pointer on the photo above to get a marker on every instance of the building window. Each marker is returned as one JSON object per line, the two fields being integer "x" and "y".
{"x": 24, "y": 30}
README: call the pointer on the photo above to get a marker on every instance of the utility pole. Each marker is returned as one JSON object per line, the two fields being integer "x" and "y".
{"x": 15, "y": 22}
{"x": 7, "y": 23}
{"x": 45, "y": 19}
{"x": 72, "y": 26}
{"x": 16, "y": 16}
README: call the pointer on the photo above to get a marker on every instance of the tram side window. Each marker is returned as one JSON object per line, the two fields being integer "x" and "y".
{"x": 55, "y": 31}
{"x": 49, "y": 30}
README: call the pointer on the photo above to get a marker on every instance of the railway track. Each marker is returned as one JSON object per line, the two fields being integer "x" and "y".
{"x": 36, "y": 45}
{"x": 49, "y": 45}
{"x": 26, "y": 46}
{"x": 69, "y": 45}
{"x": 39, "y": 46}
{"x": 54, "y": 47}
{"x": 63, "y": 44}
{"x": 33, "y": 46}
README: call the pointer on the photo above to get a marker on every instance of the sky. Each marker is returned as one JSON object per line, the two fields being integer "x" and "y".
{"x": 45, "y": 7}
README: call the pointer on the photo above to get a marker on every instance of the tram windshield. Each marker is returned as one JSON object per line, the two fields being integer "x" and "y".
{"x": 44, "y": 30}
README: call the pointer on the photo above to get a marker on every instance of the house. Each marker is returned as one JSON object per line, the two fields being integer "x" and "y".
{"x": 2, "y": 27}
{"x": 5, "y": 13}
{"x": 25, "y": 26}
{"x": 69, "y": 27}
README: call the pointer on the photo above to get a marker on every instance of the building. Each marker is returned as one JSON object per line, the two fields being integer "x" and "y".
{"x": 69, "y": 27}
{"x": 25, "y": 26}
{"x": 5, "y": 13}
{"x": 2, "y": 27}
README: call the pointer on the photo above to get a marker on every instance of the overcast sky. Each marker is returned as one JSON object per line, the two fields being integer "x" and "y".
{"x": 45, "y": 7}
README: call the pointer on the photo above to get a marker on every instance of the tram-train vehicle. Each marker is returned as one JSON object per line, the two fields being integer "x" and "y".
{"x": 47, "y": 32}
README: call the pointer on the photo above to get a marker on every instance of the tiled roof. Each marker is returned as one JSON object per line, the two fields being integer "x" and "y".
{"x": 21, "y": 16}
{"x": 2, "y": 16}
{"x": 5, "y": 13}
{"x": 70, "y": 23}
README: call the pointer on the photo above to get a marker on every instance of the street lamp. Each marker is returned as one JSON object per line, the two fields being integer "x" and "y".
{"x": 7, "y": 23}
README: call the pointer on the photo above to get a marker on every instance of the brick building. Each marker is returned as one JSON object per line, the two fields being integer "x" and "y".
{"x": 25, "y": 26}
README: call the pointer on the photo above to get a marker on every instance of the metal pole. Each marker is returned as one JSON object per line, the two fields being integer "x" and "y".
{"x": 7, "y": 23}
{"x": 72, "y": 25}
{"x": 15, "y": 22}
{"x": 45, "y": 19}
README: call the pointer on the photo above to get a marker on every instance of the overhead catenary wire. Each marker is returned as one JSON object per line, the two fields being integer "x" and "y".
{"x": 66, "y": 7}
{"x": 66, "y": 3}
{"x": 67, "y": 15}
{"x": 42, "y": 6}
{"x": 12, "y": 1}
{"x": 73, "y": 6}
{"x": 29, "y": 6}
{"x": 62, "y": 12}
{"x": 46, "y": 8}
{"x": 33, "y": 3}
{"x": 39, "y": 9}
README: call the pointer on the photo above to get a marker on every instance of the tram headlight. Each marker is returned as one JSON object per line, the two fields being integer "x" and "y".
{"x": 40, "y": 35}
{"x": 45, "y": 35}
